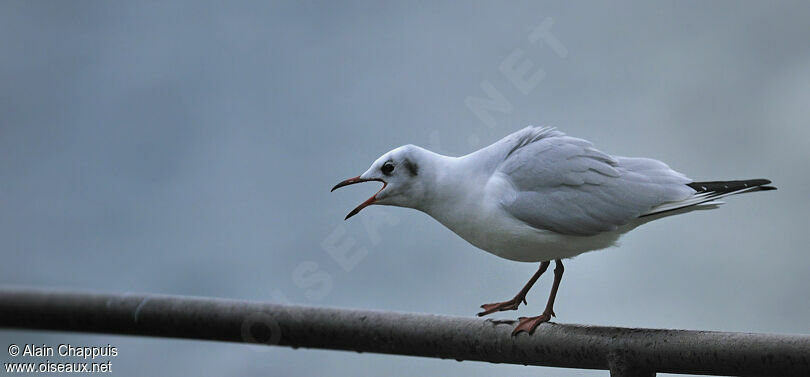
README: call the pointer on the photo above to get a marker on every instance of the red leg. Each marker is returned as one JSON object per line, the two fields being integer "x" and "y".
{"x": 528, "y": 324}
{"x": 521, "y": 296}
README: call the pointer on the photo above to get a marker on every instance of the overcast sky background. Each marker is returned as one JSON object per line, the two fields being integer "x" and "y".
{"x": 189, "y": 148}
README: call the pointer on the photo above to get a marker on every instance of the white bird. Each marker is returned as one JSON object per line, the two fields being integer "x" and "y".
{"x": 539, "y": 195}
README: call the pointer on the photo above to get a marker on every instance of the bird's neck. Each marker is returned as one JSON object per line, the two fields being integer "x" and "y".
{"x": 452, "y": 184}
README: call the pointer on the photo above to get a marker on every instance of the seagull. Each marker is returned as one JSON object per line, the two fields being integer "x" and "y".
{"x": 539, "y": 195}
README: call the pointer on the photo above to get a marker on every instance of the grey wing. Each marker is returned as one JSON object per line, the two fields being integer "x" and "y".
{"x": 565, "y": 185}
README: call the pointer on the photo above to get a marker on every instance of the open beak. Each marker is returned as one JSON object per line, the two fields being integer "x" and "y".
{"x": 368, "y": 202}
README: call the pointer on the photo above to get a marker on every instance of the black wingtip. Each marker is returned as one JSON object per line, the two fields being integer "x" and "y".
{"x": 761, "y": 182}
{"x": 722, "y": 187}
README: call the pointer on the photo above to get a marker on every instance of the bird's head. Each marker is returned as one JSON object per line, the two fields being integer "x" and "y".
{"x": 400, "y": 173}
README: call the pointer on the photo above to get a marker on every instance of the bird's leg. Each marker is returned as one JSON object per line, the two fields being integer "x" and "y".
{"x": 528, "y": 324}
{"x": 521, "y": 296}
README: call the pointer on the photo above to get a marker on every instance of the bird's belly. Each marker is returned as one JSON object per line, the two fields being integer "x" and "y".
{"x": 513, "y": 239}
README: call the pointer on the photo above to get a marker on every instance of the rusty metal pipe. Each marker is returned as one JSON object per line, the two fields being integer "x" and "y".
{"x": 624, "y": 351}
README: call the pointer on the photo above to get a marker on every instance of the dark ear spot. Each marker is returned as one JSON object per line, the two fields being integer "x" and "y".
{"x": 413, "y": 169}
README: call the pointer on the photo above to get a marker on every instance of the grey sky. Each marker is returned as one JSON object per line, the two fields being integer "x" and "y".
{"x": 189, "y": 148}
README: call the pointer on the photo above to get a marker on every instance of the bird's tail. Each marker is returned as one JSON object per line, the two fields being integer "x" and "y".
{"x": 707, "y": 194}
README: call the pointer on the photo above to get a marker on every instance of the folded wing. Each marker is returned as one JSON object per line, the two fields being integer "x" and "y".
{"x": 565, "y": 185}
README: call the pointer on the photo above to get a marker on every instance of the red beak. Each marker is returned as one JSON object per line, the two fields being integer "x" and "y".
{"x": 368, "y": 202}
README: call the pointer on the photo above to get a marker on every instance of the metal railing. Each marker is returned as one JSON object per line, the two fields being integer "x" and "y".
{"x": 623, "y": 351}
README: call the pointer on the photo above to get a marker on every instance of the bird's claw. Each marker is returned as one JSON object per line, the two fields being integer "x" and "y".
{"x": 528, "y": 324}
{"x": 512, "y": 304}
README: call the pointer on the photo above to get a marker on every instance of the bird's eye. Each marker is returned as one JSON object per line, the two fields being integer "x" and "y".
{"x": 387, "y": 168}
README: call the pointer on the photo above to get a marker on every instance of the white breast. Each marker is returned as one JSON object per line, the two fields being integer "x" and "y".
{"x": 479, "y": 219}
